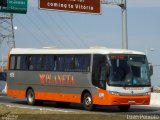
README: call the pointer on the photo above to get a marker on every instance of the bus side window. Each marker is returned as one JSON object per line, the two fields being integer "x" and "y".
{"x": 69, "y": 63}
{"x": 12, "y": 62}
{"x": 18, "y": 62}
{"x": 24, "y": 63}
{"x": 82, "y": 63}
{"x": 55, "y": 63}
{"x": 48, "y": 63}
{"x": 38, "y": 63}
{"x": 30, "y": 63}
{"x": 60, "y": 63}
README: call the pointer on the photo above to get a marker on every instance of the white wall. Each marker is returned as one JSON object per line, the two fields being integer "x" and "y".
{"x": 155, "y": 99}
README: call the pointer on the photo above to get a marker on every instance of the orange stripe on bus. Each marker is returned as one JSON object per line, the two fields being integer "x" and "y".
{"x": 16, "y": 93}
{"x": 58, "y": 97}
{"x": 46, "y": 96}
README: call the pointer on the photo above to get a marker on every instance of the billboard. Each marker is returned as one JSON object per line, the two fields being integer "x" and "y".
{"x": 83, "y": 6}
{"x": 15, "y": 6}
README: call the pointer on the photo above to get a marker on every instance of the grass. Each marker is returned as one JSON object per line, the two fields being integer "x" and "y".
{"x": 16, "y": 113}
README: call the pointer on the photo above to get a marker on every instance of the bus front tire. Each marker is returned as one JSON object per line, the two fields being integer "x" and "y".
{"x": 87, "y": 102}
{"x": 124, "y": 108}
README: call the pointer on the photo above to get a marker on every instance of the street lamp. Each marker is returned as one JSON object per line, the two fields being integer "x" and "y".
{"x": 15, "y": 27}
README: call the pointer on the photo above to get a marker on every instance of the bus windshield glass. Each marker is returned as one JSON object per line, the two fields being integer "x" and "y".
{"x": 129, "y": 70}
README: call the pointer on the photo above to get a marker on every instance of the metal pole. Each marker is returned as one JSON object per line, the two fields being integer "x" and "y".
{"x": 123, "y": 5}
{"x": 124, "y": 25}
{"x": 13, "y": 44}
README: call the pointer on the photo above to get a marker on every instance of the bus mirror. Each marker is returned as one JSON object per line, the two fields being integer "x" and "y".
{"x": 150, "y": 69}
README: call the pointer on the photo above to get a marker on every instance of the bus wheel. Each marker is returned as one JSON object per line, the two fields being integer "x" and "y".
{"x": 124, "y": 107}
{"x": 30, "y": 97}
{"x": 87, "y": 102}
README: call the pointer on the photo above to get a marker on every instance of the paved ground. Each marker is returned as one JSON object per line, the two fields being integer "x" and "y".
{"x": 78, "y": 107}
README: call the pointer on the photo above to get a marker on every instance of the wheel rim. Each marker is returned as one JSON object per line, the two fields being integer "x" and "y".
{"x": 88, "y": 101}
{"x": 30, "y": 97}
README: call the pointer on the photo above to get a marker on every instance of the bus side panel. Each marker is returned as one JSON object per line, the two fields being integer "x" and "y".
{"x": 13, "y": 89}
{"x": 54, "y": 86}
{"x": 65, "y": 86}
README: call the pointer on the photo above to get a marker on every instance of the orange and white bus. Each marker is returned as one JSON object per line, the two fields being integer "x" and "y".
{"x": 96, "y": 76}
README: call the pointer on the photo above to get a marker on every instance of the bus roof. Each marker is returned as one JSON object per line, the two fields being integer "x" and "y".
{"x": 72, "y": 51}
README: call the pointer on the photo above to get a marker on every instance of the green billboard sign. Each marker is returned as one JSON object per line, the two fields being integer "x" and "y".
{"x": 15, "y": 6}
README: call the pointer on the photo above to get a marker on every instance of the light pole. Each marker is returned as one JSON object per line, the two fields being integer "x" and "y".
{"x": 124, "y": 25}
{"x": 123, "y": 5}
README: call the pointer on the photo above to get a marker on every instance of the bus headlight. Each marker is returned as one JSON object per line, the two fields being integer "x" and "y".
{"x": 114, "y": 93}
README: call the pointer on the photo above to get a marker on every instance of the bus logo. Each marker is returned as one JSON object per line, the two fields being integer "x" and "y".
{"x": 11, "y": 75}
{"x": 49, "y": 79}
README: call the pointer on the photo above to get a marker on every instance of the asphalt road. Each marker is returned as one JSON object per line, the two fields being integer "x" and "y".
{"x": 79, "y": 108}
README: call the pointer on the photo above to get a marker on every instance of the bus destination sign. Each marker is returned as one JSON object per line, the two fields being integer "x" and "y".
{"x": 15, "y": 6}
{"x": 83, "y": 6}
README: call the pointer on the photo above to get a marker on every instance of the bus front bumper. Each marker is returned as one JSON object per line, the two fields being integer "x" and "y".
{"x": 129, "y": 100}
{"x": 110, "y": 99}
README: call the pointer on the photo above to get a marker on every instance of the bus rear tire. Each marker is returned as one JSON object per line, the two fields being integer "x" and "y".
{"x": 124, "y": 108}
{"x": 31, "y": 97}
{"x": 87, "y": 102}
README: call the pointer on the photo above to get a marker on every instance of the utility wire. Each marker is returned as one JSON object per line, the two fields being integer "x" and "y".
{"x": 61, "y": 29}
{"x": 39, "y": 29}
{"x": 68, "y": 25}
{"x": 73, "y": 31}
{"x": 48, "y": 27}
{"x": 31, "y": 33}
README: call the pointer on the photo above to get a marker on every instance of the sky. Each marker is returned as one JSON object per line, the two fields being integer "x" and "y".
{"x": 43, "y": 28}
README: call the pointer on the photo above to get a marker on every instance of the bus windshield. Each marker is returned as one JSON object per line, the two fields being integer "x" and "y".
{"x": 129, "y": 70}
